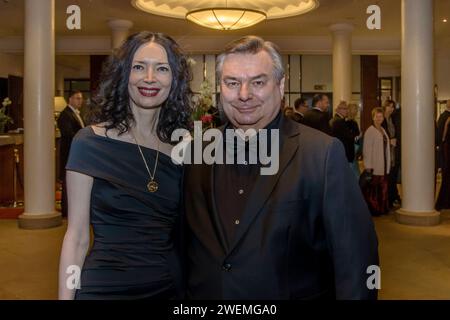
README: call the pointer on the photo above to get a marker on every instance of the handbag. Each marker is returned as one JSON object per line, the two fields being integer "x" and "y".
{"x": 365, "y": 179}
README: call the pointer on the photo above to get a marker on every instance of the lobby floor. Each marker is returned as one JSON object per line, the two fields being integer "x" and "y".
{"x": 415, "y": 261}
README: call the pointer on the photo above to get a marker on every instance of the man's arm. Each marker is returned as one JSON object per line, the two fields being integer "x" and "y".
{"x": 325, "y": 124}
{"x": 349, "y": 228}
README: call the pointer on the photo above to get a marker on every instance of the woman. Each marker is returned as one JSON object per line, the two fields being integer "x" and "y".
{"x": 122, "y": 181}
{"x": 389, "y": 126}
{"x": 354, "y": 128}
{"x": 443, "y": 201}
{"x": 377, "y": 159}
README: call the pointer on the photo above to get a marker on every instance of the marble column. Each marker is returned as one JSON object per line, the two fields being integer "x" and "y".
{"x": 39, "y": 134}
{"x": 120, "y": 30}
{"x": 418, "y": 180}
{"x": 342, "y": 62}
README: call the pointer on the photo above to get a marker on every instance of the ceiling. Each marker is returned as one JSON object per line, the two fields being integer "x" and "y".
{"x": 96, "y": 13}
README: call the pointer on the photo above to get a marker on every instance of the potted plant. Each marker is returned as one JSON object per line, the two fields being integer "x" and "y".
{"x": 204, "y": 110}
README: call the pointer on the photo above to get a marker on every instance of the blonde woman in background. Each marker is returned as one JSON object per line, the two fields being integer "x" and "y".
{"x": 377, "y": 159}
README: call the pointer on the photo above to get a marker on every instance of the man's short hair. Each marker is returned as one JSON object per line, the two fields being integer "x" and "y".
{"x": 318, "y": 97}
{"x": 74, "y": 92}
{"x": 252, "y": 45}
{"x": 299, "y": 102}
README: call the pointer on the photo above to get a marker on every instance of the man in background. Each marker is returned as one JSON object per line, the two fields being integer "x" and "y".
{"x": 317, "y": 117}
{"x": 69, "y": 122}
{"x": 440, "y": 132}
{"x": 300, "y": 108}
{"x": 341, "y": 130}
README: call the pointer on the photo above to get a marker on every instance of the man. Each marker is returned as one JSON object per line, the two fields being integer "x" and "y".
{"x": 302, "y": 233}
{"x": 440, "y": 131}
{"x": 69, "y": 122}
{"x": 300, "y": 108}
{"x": 341, "y": 130}
{"x": 317, "y": 117}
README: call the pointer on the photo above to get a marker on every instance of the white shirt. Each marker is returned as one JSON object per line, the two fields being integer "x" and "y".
{"x": 77, "y": 114}
{"x": 317, "y": 108}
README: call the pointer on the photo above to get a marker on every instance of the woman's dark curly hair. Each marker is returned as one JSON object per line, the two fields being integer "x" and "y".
{"x": 111, "y": 104}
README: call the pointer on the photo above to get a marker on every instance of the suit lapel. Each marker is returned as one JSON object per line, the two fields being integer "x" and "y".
{"x": 74, "y": 117}
{"x": 266, "y": 183}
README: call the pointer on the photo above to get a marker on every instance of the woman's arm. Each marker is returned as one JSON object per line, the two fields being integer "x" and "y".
{"x": 368, "y": 149}
{"x": 76, "y": 240}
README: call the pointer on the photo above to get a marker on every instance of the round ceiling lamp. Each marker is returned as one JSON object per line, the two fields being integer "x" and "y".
{"x": 226, "y": 18}
{"x": 226, "y": 14}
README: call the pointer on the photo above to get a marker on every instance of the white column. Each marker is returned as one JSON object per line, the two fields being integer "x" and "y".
{"x": 120, "y": 30}
{"x": 39, "y": 139}
{"x": 342, "y": 62}
{"x": 418, "y": 179}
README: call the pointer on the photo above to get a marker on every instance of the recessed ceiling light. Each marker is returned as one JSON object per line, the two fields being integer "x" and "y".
{"x": 444, "y": 20}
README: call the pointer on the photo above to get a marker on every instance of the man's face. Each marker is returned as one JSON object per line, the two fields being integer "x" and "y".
{"x": 76, "y": 100}
{"x": 389, "y": 109}
{"x": 249, "y": 93}
{"x": 325, "y": 103}
{"x": 343, "y": 110}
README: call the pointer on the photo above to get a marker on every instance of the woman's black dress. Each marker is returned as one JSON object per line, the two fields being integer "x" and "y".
{"x": 135, "y": 251}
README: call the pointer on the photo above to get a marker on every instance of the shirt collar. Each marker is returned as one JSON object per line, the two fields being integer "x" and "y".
{"x": 74, "y": 110}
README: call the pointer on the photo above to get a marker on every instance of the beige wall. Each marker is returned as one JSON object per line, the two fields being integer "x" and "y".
{"x": 11, "y": 64}
{"x": 442, "y": 74}
{"x": 318, "y": 70}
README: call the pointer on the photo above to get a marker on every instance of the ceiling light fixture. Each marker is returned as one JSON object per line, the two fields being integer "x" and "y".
{"x": 226, "y": 18}
{"x": 226, "y": 14}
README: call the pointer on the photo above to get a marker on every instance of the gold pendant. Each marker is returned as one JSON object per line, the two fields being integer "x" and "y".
{"x": 152, "y": 186}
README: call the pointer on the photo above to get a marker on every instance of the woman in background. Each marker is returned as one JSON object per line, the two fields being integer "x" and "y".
{"x": 377, "y": 159}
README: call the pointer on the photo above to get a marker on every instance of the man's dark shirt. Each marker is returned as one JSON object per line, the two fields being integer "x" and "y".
{"x": 233, "y": 183}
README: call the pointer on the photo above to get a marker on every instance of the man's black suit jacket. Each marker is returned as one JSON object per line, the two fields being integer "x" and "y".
{"x": 318, "y": 120}
{"x": 306, "y": 232}
{"x": 68, "y": 125}
{"x": 341, "y": 130}
{"x": 441, "y": 125}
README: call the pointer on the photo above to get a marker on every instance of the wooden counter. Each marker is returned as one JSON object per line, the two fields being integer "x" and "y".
{"x": 11, "y": 156}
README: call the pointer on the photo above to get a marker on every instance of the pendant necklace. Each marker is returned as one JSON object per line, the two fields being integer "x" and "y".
{"x": 152, "y": 185}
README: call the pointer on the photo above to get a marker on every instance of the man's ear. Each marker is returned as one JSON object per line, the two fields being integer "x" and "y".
{"x": 281, "y": 86}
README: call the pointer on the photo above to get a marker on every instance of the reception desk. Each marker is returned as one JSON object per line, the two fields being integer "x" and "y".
{"x": 12, "y": 167}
